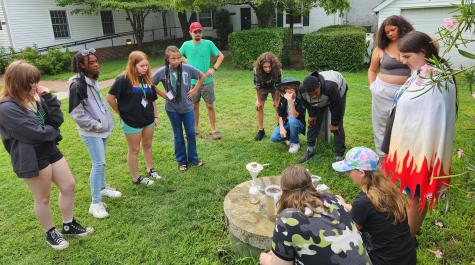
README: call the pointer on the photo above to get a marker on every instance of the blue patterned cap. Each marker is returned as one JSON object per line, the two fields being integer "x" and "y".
{"x": 360, "y": 157}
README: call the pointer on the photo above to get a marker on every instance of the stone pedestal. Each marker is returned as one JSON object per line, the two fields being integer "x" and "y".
{"x": 249, "y": 222}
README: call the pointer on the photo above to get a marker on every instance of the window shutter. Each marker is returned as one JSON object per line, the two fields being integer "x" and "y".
{"x": 280, "y": 20}
{"x": 306, "y": 19}
{"x": 212, "y": 19}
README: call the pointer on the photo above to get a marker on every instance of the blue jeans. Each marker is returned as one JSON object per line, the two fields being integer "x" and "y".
{"x": 293, "y": 127}
{"x": 96, "y": 147}
{"x": 178, "y": 121}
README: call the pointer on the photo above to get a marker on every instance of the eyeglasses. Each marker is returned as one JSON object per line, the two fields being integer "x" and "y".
{"x": 198, "y": 31}
{"x": 88, "y": 52}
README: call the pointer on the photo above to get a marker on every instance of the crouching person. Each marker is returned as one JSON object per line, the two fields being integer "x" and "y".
{"x": 320, "y": 91}
{"x": 291, "y": 115}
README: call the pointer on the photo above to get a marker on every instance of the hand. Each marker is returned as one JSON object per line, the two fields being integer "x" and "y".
{"x": 289, "y": 95}
{"x": 259, "y": 104}
{"x": 41, "y": 90}
{"x": 191, "y": 93}
{"x": 312, "y": 121}
{"x": 283, "y": 132}
{"x": 340, "y": 199}
{"x": 155, "y": 121}
{"x": 265, "y": 258}
{"x": 334, "y": 129}
{"x": 210, "y": 72}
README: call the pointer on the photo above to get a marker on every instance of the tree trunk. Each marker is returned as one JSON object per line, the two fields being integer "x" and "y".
{"x": 185, "y": 23}
{"x": 264, "y": 13}
{"x": 137, "y": 21}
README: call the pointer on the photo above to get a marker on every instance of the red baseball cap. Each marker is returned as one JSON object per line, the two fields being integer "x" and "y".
{"x": 194, "y": 26}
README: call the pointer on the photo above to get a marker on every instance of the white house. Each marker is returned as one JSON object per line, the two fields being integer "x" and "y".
{"x": 42, "y": 23}
{"x": 426, "y": 16}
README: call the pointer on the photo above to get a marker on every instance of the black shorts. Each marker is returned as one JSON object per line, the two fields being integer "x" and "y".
{"x": 46, "y": 154}
{"x": 263, "y": 93}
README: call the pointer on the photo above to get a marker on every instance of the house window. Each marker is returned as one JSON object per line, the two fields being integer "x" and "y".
{"x": 206, "y": 19}
{"x": 60, "y": 24}
{"x": 296, "y": 19}
{"x": 107, "y": 22}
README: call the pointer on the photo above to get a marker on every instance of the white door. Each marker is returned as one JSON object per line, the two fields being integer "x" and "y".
{"x": 428, "y": 20}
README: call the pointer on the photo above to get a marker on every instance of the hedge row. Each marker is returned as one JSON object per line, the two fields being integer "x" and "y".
{"x": 334, "y": 48}
{"x": 344, "y": 28}
{"x": 245, "y": 46}
{"x": 52, "y": 62}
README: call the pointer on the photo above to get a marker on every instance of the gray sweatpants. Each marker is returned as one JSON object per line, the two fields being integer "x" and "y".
{"x": 382, "y": 103}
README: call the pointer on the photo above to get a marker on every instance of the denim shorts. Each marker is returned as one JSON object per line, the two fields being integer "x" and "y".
{"x": 131, "y": 130}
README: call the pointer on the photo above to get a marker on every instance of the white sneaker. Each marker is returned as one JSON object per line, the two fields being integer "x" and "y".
{"x": 111, "y": 192}
{"x": 153, "y": 174}
{"x": 98, "y": 210}
{"x": 294, "y": 148}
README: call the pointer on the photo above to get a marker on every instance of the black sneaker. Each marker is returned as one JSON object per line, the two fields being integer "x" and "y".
{"x": 306, "y": 156}
{"x": 75, "y": 229}
{"x": 260, "y": 134}
{"x": 56, "y": 240}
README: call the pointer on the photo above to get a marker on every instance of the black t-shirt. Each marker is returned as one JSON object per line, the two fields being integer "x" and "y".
{"x": 129, "y": 99}
{"x": 386, "y": 243}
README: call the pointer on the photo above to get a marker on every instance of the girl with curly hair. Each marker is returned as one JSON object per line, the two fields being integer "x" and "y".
{"x": 386, "y": 73}
{"x": 267, "y": 75}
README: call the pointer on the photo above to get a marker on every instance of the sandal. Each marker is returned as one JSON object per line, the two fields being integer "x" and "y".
{"x": 199, "y": 163}
{"x": 183, "y": 167}
{"x": 215, "y": 135}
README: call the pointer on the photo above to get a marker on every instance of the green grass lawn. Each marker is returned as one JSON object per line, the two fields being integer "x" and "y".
{"x": 180, "y": 219}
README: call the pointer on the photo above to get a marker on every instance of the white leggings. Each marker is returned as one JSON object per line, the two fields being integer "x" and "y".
{"x": 382, "y": 103}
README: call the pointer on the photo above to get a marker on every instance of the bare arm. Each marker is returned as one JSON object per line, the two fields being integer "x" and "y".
{"x": 219, "y": 60}
{"x": 161, "y": 93}
{"x": 374, "y": 65}
{"x": 113, "y": 103}
{"x": 270, "y": 258}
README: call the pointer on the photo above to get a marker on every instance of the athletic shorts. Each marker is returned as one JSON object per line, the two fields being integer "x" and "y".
{"x": 205, "y": 91}
{"x": 131, "y": 130}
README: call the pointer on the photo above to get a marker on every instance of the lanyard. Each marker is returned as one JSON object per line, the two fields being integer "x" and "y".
{"x": 142, "y": 86}
{"x": 40, "y": 113}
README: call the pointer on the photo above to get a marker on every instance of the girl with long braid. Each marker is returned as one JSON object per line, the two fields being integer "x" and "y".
{"x": 133, "y": 97}
{"x": 176, "y": 79}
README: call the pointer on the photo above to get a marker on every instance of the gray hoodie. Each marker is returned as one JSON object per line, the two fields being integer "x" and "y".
{"x": 92, "y": 116}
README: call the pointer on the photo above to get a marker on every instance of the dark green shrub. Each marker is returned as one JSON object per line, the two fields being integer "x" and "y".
{"x": 5, "y": 58}
{"x": 53, "y": 62}
{"x": 245, "y": 46}
{"x": 223, "y": 26}
{"x": 334, "y": 28}
{"x": 334, "y": 50}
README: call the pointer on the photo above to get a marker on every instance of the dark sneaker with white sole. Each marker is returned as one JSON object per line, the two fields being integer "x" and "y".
{"x": 260, "y": 134}
{"x": 56, "y": 240}
{"x": 75, "y": 229}
{"x": 306, "y": 156}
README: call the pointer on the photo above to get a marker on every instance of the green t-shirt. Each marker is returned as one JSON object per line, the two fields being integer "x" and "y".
{"x": 199, "y": 56}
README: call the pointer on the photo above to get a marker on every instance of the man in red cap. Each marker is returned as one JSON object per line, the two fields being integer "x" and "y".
{"x": 198, "y": 53}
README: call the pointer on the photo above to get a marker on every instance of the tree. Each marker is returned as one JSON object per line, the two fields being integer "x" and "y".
{"x": 298, "y": 8}
{"x": 184, "y": 6}
{"x": 265, "y": 9}
{"x": 136, "y": 10}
